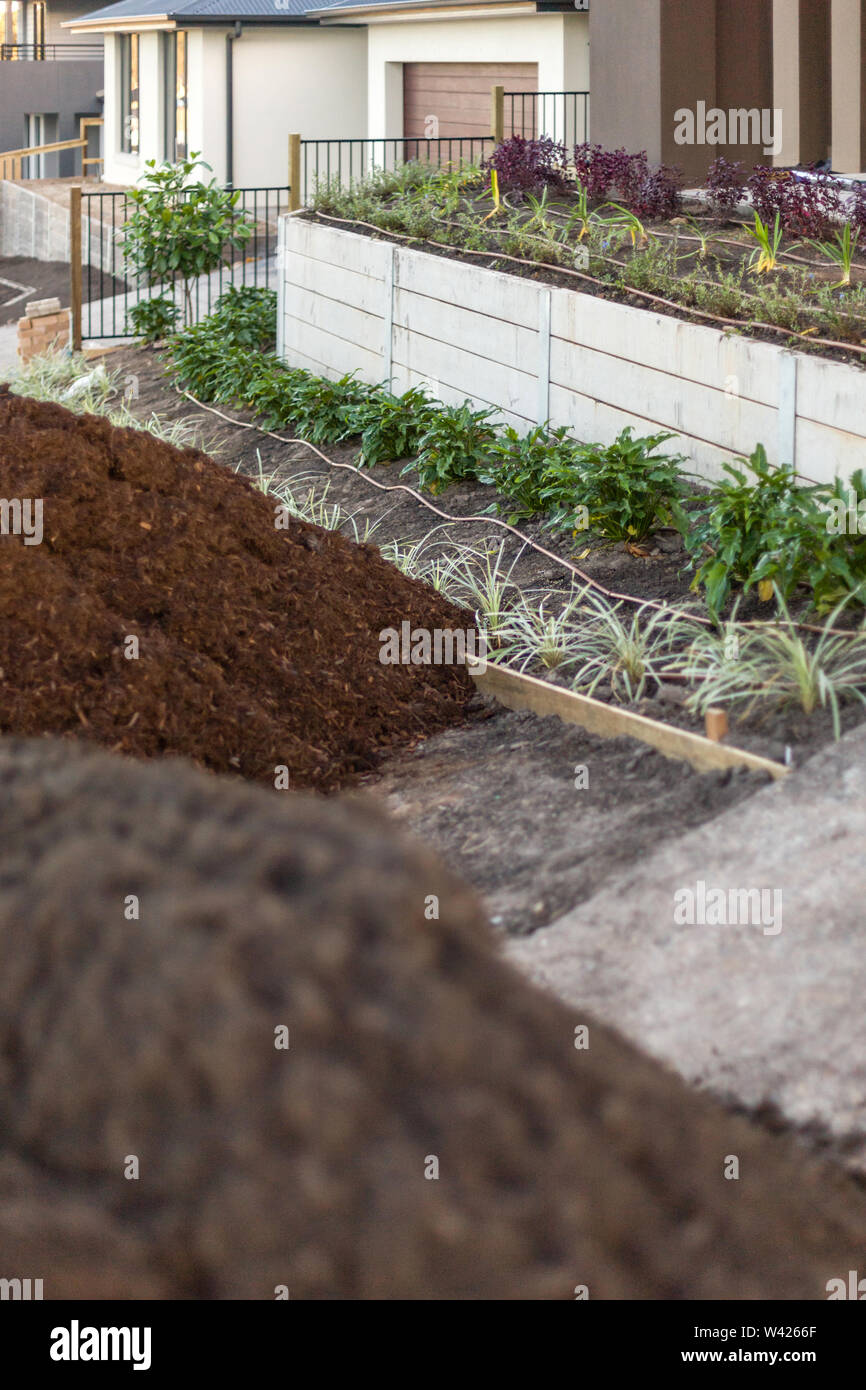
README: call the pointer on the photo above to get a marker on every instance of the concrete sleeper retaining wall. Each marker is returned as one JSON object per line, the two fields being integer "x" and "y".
{"x": 534, "y": 352}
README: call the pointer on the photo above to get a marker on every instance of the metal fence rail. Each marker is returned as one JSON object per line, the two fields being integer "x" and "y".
{"x": 49, "y": 52}
{"x": 347, "y": 162}
{"x": 564, "y": 116}
{"x": 109, "y": 285}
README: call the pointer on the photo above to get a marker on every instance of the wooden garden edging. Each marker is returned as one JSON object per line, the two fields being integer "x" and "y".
{"x": 608, "y": 721}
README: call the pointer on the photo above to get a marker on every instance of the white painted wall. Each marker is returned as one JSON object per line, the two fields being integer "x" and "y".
{"x": 292, "y": 79}
{"x": 308, "y": 80}
{"x": 558, "y": 43}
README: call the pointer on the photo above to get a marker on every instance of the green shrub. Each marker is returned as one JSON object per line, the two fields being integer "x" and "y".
{"x": 246, "y": 316}
{"x": 453, "y": 446}
{"x": 535, "y": 472}
{"x": 628, "y": 489}
{"x": 151, "y": 319}
{"x": 391, "y": 426}
{"x": 766, "y": 528}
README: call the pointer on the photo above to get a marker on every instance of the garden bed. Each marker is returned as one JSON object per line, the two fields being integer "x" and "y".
{"x": 654, "y": 571}
{"x": 533, "y": 353}
{"x": 774, "y": 253}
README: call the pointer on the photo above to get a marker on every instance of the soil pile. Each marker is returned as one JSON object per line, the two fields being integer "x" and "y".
{"x": 257, "y": 647}
{"x": 410, "y": 1045}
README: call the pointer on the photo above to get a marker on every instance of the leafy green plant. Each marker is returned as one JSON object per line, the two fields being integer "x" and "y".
{"x": 181, "y": 228}
{"x": 535, "y": 472}
{"x": 628, "y": 489}
{"x": 151, "y": 319}
{"x": 390, "y": 426}
{"x": 768, "y": 529}
{"x": 326, "y": 411}
{"x": 246, "y": 316}
{"x": 453, "y": 445}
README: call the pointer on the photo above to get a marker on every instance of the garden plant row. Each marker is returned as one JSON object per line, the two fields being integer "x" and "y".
{"x": 760, "y": 526}
{"x": 775, "y": 252}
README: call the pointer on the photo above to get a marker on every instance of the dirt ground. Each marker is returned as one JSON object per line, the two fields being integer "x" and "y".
{"x": 22, "y": 280}
{"x": 537, "y": 814}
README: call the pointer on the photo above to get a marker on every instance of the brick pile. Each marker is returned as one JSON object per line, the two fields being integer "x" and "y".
{"x": 44, "y": 326}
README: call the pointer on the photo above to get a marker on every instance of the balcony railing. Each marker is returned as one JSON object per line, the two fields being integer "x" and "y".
{"x": 50, "y": 52}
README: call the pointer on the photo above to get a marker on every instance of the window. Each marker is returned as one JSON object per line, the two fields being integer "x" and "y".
{"x": 175, "y": 97}
{"x": 129, "y": 95}
{"x": 17, "y": 26}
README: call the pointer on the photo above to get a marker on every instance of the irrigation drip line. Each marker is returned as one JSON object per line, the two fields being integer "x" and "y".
{"x": 494, "y": 521}
{"x": 687, "y": 309}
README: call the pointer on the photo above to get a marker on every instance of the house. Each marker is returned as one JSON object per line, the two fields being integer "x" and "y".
{"x": 765, "y": 81}
{"x": 49, "y": 78}
{"x": 226, "y": 78}
{"x": 431, "y": 63}
{"x": 232, "y": 78}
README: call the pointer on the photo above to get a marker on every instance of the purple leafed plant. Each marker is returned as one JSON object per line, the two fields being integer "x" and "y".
{"x": 858, "y": 209}
{"x": 726, "y": 186}
{"x": 528, "y": 166}
{"x": 806, "y": 207}
{"x": 650, "y": 193}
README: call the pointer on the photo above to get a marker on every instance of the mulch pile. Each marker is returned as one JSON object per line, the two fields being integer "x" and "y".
{"x": 409, "y": 1043}
{"x": 258, "y": 647}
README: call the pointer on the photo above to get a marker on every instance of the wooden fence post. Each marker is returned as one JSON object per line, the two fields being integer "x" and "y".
{"x": 75, "y": 265}
{"x": 294, "y": 172}
{"x": 497, "y": 114}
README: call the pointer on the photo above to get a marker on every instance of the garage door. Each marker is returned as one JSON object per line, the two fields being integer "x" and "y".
{"x": 458, "y": 94}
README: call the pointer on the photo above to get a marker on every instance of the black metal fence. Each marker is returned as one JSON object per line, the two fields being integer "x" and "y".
{"x": 564, "y": 116}
{"x": 347, "y": 162}
{"x": 109, "y": 285}
{"x": 49, "y": 52}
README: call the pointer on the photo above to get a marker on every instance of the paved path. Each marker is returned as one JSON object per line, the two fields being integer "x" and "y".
{"x": 756, "y": 1017}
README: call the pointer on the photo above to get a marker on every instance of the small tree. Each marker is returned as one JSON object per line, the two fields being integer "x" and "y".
{"x": 182, "y": 228}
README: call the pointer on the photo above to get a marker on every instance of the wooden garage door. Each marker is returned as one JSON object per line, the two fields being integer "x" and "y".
{"x": 459, "y": 95}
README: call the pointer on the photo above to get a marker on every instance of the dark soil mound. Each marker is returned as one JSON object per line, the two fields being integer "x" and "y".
{"x": 258, "y": 647}
{"x": 409, "y": 1041}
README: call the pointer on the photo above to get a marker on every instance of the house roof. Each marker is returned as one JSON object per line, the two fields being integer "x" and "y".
{"x": 262, "y": 11}
{"x": 315, "y": 8}
{"x": 202, "y": 10}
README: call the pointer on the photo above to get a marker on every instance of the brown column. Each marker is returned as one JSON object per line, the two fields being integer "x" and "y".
{"x": 663, "y": 57}
{"x": 815, "y": 80}
{"x": 744, "y": 69}
{"x": 688, "y": 76}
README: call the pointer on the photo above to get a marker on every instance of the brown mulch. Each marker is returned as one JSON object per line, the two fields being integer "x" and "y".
{"x": 258, "y": 647}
